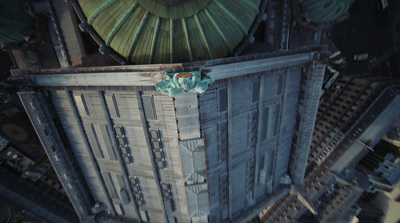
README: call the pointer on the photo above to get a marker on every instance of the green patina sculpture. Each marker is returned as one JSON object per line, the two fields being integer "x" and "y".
{"x": 177, "y": 83}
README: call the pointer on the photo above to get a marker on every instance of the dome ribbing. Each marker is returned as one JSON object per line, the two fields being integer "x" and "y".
{"x": 167, "y": 31}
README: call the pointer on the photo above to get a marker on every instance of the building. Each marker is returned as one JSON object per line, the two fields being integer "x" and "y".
{"x": 124, "y": 151}
{"x": 336, "y": 181}
{"x": 383, "y": 165}
{"x": 350, "y": 122}
{"x": 30, "y": 188}
{"x": 141, "y": 155}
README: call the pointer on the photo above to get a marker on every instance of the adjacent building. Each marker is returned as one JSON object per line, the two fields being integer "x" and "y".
{"x": 352, "y": 119}
{"x": 30, "y": 188}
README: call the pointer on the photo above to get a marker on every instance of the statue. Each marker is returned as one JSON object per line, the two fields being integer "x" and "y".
{"x": 177, "y": 83}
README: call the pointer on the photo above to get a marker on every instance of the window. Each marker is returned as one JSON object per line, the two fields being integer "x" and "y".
{"x": 255, "y": 90}
{"x": 137, "y": 192}
{"x": 165, "y": 187}
{"x": 158, "y": 155}
{"x": 253, "y": 129}
{"x": 154, "y": 134}
{"x": 156, "y": 145}
{"x": 223, "y": 188}
{"x": 94, "y": 141}
{"x": 169, "y": 206}
{"x": 265, "y": 123}
{"x": 81, "y": 105}
{"x": 110, "y": 185}
{"x": 222, "y": 126}
{"x": 124, "y": 196}
{"x": 112, "y": 105}
{"x": 277, "y": 118}
{"x": 120, "y": 181}
{"x": 160, "y": 164}
{"x": 127, "y": 159}
{"x": 223, "y": 140}
{"x": 121, "y": 142}
{"x": 253, "y": 124}
{"x": 279, "y": 89}
{"x": 222, "y": 100}
{"x": 149, "y": 108}
{"x": 250, "y": 174}
{"x": 143, "y": 215}
{"x": 254, "y": 115}
{"x": 172, "y": 220}
{"x": 223, "y": 155}
{"x": 119, "y": 130}
{"x": 223, "y": 135}
{"x": 119, "y": 209}
{"x": 138, "y": 196}
{"x": 271, "y": 162}
{"x": 106, "y": 139}
{"x": 167, "y": 195}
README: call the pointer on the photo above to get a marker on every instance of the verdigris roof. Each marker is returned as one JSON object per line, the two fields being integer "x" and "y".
{"x": 166, "y": 31}
{"x": 13, "y": 21}
{"x": 325, "y": 10}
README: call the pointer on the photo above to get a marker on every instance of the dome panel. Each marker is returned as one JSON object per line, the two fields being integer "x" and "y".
{"x": 130, "y": 9}
{"x": 89, "y": 7}
{"x": 142, "y": 50}
{"x": 174, "y": 11}
{"x": 242, "y": 15}
{"x": 161, "y": 54}
{"x": 232, "y": 32}
{"x": 114, "y": 12}
{"x": 13, "y": 21}
{"x": 325, "y": 10}
{"x": 123, "y": 38}
{"x": 181, "y": 48}
{"x": 199, "y": 51}
{"x": 141, "y": 21}
{"x": 214, "y": 41}
{"x": 149, "y": 31}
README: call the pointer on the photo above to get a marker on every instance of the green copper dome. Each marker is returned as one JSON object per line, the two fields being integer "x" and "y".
{"x": 167, "y": 31}
{"x": 325, "y": 10}
{"x": 13, "y": 21}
